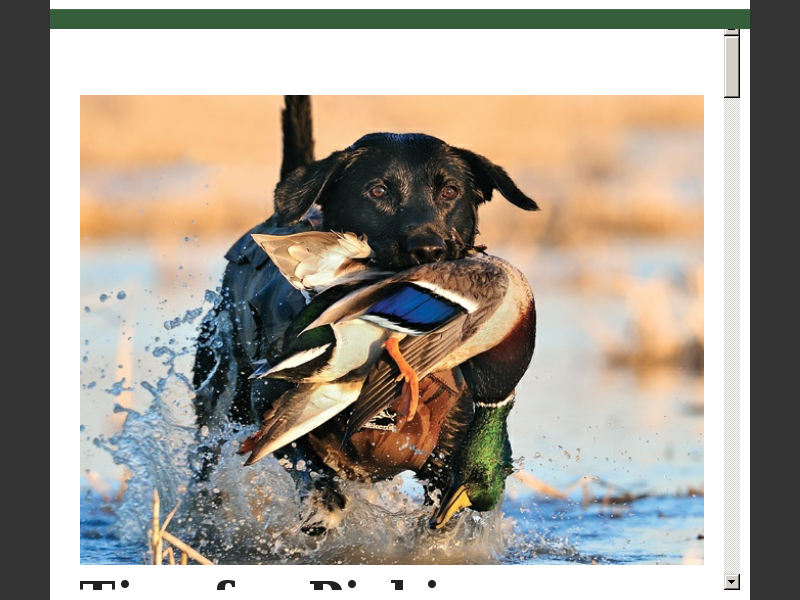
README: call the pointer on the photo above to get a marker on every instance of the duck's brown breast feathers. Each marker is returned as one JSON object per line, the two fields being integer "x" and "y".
{"x": 377, "y": 453}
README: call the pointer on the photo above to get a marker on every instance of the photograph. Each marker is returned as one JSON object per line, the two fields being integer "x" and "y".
{"x": 392, "y": 330}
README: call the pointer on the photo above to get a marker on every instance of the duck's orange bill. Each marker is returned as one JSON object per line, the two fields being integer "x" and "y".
{"x": 407, "y": 373}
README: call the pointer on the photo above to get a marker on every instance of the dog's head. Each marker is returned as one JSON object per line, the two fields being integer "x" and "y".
{"x": 415, "y": 197}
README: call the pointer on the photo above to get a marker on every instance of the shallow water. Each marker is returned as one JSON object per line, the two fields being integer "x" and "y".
{"x": 626, "y": 431}
{"x": 653, "y": 530}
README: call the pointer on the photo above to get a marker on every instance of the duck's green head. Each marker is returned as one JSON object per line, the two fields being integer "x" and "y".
{"x": 480, "y": 465}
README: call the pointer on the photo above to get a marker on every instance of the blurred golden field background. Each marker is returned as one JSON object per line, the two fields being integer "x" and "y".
{"x": 208, "y": 164}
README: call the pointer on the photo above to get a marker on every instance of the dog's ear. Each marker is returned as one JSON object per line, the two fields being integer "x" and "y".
{"x": 305, "y": 186}
{"x": 489, "y": 176}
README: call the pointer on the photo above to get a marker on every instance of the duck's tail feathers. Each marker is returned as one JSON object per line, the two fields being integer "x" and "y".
{"x": 262, "y": 368}
{"x": 297, "y": 412}
{"x": 313, "y": 260}
{"x": 287, "y": 368}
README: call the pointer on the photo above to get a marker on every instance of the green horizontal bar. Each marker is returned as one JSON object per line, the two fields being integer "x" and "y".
{"x": 400, "y": 19}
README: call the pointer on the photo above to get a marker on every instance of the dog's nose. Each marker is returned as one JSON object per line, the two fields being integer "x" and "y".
{"x": 426, "y": 249}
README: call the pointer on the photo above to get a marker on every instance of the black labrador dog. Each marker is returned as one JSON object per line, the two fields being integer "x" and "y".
{"x": 416, "y": 199}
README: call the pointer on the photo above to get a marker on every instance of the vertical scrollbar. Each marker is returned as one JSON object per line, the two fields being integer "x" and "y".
{"x": 732, "y": 63}
{"x": 732, "y": 392}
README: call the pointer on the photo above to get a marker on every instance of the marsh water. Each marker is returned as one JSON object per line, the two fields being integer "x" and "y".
{"x": 622, "y": 442}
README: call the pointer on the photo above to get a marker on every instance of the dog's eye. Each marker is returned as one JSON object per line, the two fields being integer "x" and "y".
{"x": 449, "y": 193}
{"x": 378, "y": 192}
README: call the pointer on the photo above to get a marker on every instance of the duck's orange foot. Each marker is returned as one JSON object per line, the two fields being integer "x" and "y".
{"x": 408, "y": 402}
{"x": 403, "y": 406}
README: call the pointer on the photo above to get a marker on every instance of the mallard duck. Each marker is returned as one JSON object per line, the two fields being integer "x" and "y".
{"x": 358, "y": 337}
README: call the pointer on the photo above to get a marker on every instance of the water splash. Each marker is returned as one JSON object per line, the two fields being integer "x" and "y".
{"x": 188, "y": 317}
{"x": 251, "y": 515}
{"x": 154, "y": 446}
{"x": 117, "y": 388}
{"x": 257, "y": 522}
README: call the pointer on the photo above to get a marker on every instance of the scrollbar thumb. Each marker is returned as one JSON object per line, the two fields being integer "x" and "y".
{"x": 731, "y": 63}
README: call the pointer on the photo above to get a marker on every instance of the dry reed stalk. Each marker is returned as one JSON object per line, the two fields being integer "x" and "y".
{"x": 124, "y": 359}
{"x": 157, "y": 535}
{"x": 99, "y": 485}
{"x": 169, "y": 518}
{"x": 123, "y": 485}
{"x": 582, "y": 483}
{"x": 537, "y": 485}
{"x": 606, "y": 499}
{"x": 186, "y": 549}
{"x": 692, "y": 491}
{"x": 587, "y": 497}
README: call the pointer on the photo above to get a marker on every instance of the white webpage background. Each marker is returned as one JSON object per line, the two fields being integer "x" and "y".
{"x": 510, "y": 62}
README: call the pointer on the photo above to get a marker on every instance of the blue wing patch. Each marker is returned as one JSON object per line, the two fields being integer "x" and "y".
{"x": 415, "y": 309}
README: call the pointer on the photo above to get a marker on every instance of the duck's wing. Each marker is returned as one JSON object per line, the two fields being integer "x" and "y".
{"x": 314, "y": 260}
{"x": 381, "y": 387}
{"x": 424, "y": 354}
{"x": 297, "y": 412}
{"x": 445, "y": 288}
{"x": 410, "y": 307}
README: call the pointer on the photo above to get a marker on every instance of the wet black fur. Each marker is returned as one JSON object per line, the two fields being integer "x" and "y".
{"x": 411, "y": 224}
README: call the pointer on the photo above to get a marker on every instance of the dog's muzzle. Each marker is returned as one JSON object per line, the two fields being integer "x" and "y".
{"x": 427, "y": 249}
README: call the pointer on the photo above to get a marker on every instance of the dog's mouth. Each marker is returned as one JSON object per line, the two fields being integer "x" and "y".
{"x": 392, "y": 257}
